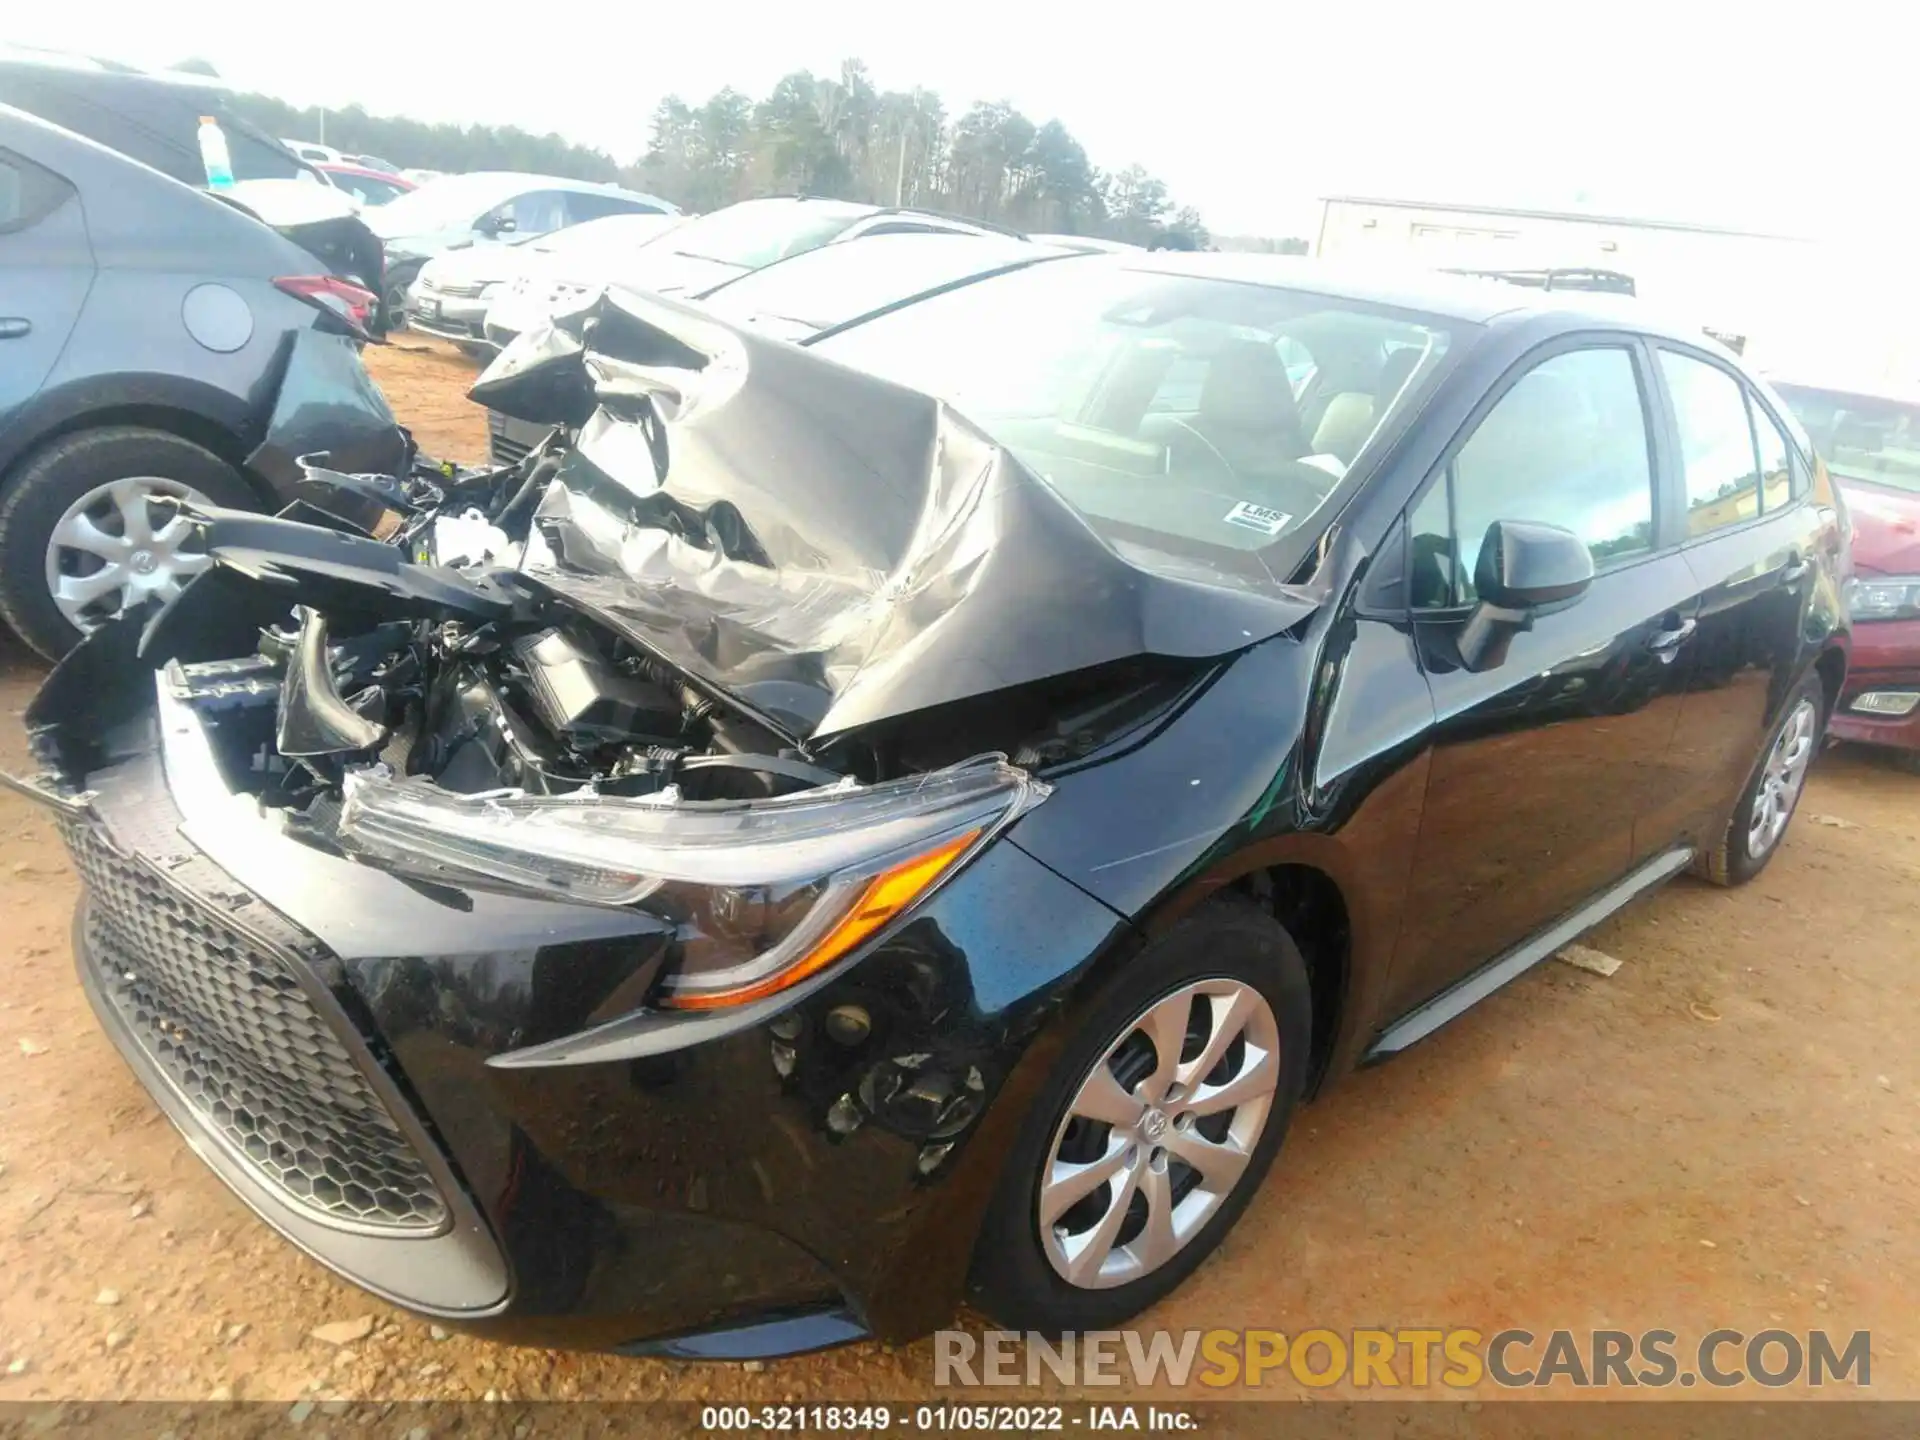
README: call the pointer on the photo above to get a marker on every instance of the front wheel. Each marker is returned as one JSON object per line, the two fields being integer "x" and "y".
{"x": 1162, "y": 1118}
{"x": 1773, "y": 792}
{"x": 393, "y": 300}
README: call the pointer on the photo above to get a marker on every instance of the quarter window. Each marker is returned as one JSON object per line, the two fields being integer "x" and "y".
{"x": 1567, "y": 446}
{"x": 1776, "y": 467}
{"x": 28, "y": 193}
{"x": 1716, "y": 443}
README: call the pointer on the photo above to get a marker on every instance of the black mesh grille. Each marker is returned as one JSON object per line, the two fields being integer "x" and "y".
{"x": 224, "y": 1016}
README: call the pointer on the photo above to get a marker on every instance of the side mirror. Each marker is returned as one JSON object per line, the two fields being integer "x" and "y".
{"x": 1524, "y": 565}
{"x": 495, "y": 224}
{"x": 1523, "y": 568}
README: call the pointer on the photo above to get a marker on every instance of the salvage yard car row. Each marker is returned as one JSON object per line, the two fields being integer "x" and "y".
{"x": 924, "y": 750}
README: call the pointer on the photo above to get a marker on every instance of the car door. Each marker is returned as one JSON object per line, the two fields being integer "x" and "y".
{"x": 46, "y": 269}
{"x": 1542, "y": 757}
{"x": 1750, "y": 536}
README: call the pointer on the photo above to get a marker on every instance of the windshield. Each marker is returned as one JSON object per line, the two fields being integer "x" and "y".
{"x": 1861, "y": 437}
{"x": 759, "y": 232}
{"x": 837, "y": 283}
{"x": 453, "y": 202}
{"x": 1181, "y": 413}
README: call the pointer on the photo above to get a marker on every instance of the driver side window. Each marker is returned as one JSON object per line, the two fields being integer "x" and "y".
{"x": 1567, "y": 445}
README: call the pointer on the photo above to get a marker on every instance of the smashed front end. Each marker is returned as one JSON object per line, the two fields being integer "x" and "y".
{"x": 580, "y": 900}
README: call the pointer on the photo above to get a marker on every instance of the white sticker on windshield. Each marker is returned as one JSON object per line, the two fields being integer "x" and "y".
{"x": 1258, "y": 517}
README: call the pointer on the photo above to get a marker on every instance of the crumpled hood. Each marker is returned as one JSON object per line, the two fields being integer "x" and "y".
{"x": 826, "y": 547}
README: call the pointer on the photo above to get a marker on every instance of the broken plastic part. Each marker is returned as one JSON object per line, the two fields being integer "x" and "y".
{"x": 313, "y": 719}
{"x": 328, "y": 404}
{"x": 345, "y": 576}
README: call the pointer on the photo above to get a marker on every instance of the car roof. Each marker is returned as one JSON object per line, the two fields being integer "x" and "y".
{"x": 511, "y": 182}
{"x": 984, "y": 253}
{"x": 1476, "y": 300}
{"x": 344, "y": 167}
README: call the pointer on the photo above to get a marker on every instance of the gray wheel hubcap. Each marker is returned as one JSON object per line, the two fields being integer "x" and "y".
{"x": 1159, "y": 1133}
{"x": 115, "y": 547}
{"x": 1781, "y": 779}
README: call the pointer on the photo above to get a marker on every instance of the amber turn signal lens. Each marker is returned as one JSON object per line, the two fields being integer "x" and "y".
{"x": 886, "y": 896}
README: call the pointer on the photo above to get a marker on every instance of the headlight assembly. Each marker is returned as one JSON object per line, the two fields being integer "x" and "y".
{"x": 761, "y": 893}
{"x": 1884, "y": 597}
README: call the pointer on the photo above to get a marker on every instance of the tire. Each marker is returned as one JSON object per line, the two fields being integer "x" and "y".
{"x": 1739, "y": 855}
{"x": 1907, "y": 760}
{"x": 1021, "y": 1277}
{"x": 41, "y": 492}
{"x": 393, "y": 298}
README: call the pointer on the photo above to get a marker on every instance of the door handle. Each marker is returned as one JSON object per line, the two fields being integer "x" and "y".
{"x": 1666, "y": 643}
{"x": 1796, "y": 571}
{"x": 12, "y": 327}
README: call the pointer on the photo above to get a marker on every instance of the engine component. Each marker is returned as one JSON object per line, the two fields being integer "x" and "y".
{"x": 579, "y": 695}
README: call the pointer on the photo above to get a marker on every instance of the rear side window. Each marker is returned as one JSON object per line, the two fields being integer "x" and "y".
{"x": 1566, "y": 445}
{"x": 1776, "y": 466}
{"x": 1716, "y": 443}
{"x": 583, "y": 206}
{"x": 537, "y": 212}
{"x": 28, "y": 192}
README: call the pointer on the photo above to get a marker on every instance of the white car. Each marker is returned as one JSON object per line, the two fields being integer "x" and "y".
{"x": 709, "y": 250}
{"x": 487, "y": 207}
{"x": 450, "y": 296}
{"x": 550, "y": 271}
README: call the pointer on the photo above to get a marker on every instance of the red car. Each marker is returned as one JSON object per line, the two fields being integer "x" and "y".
{"x": 369, "y": 187}
{"x": 1869, "y": 437}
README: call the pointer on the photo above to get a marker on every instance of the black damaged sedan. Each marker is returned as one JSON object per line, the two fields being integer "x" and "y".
{"x": 795, "y": 852}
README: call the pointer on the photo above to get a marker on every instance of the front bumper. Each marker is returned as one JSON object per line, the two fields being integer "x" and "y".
{"x": 1885, "y": 656}
{"x": 740, "y": 1185}
{"x": 450, "y": 317}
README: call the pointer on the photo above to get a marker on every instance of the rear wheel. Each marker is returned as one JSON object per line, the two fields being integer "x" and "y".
{"x": 1159, "y": 1124}
{"x": 85, "y": 530}
{"x": 1766, "y": 806}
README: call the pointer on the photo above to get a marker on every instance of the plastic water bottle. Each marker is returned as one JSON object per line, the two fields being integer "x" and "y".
{"x": 213, "y": 154}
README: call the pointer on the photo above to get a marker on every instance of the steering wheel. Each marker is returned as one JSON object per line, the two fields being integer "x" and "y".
{"x": 1212, "y": 448}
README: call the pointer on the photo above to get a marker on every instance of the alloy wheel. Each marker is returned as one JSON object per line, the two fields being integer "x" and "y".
{"x": 1159, "y": 1133}
{"x": 1781, "y": 779}
{"x": 120, "y": 544}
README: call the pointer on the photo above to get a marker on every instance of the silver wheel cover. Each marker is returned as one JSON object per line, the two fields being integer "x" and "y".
{"x": 1158, "y": 1133}
{"x": 1781, "y": 779}
{"x": 114, "y": 548}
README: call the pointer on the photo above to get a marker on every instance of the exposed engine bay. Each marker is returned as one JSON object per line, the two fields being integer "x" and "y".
{"x": 731, "y": 573}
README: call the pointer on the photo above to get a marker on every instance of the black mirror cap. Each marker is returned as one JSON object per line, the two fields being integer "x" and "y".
{"x": 1524, "y": 564}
